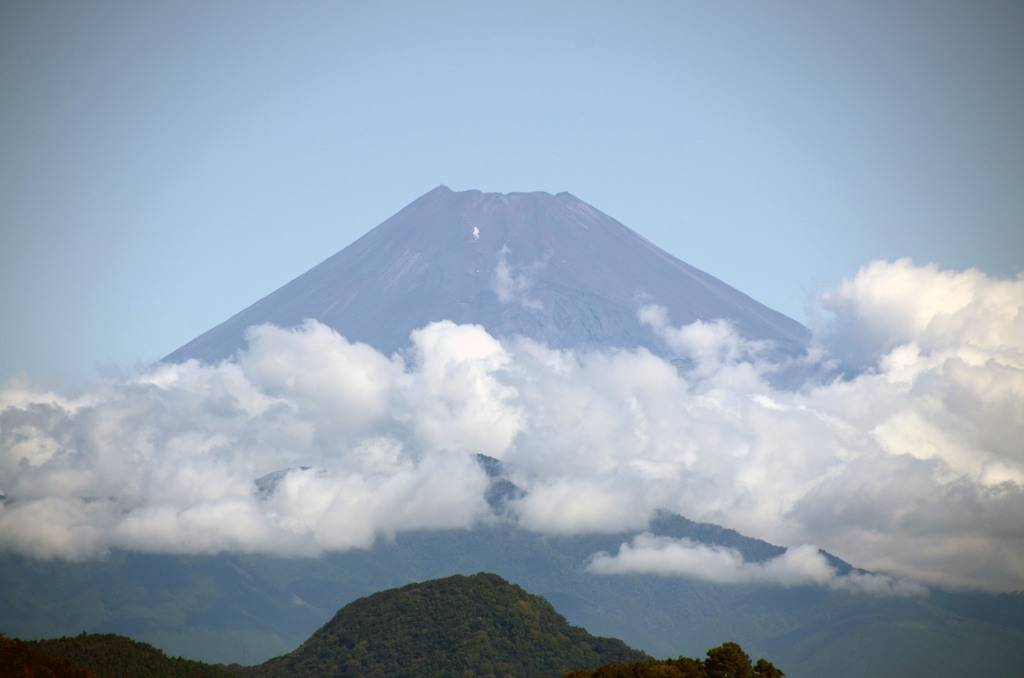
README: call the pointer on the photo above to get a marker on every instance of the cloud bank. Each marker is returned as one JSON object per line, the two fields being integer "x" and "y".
{"x": 910, "y": 464}
{"x": 800, "y": 566}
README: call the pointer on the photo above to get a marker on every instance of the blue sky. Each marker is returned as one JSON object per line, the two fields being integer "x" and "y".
{"x": 166, "y": 164}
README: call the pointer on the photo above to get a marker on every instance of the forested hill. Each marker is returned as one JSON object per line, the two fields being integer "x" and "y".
{"x": 466, "y": 626}
{"x": 94, "y": 655}
{"x": 477, "y": 625}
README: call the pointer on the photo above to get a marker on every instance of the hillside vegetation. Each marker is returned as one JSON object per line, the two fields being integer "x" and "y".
{"x": 477, "y": 625}
{"x": 108, "y": 655}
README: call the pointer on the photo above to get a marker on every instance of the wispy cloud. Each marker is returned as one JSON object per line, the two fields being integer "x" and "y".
{"x": 912, "y": 465}
{"x": 512, "y": 284}
{"x": 708, "y": 346}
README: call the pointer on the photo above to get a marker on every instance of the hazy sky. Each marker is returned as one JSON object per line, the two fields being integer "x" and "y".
{"x": 166, "y": 164}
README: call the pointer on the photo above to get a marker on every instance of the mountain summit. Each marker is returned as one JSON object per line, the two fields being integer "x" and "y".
{"x": 548, "y": 267}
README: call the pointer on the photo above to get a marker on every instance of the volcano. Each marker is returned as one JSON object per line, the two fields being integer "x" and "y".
{"x": 233, "y": 456}
{"x": 547, "y": 267}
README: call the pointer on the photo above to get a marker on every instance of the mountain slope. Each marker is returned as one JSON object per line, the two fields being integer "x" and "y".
{"x": 548, "y": 267}
{"x": 457, "y": 626}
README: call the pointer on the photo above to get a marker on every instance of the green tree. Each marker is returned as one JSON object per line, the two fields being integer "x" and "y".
{"x": 765, "y": 669}
{"x": 728, "y": 661}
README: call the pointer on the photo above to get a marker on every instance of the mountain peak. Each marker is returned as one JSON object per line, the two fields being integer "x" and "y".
{"x": 548, "y": 267}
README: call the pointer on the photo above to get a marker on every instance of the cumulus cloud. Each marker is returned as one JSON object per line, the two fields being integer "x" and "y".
{"x": 909, "y": 464}
{"x": 799, "y": 566}
{"x": 456, "y": 398}
{"x": 166, "y": 460}
{"x": 893, "y": 304}
{"x": 337, "y": 383}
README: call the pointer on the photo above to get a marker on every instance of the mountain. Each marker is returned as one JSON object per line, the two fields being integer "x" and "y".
{"x": 556, "y": 270}
{"x": 548, "y": 267}
{"x": 456, "y": 626}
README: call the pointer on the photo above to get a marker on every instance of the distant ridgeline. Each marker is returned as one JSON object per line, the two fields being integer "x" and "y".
{"x": 477, "y": 625}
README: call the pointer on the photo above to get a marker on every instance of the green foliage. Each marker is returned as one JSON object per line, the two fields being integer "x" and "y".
{"x": 117, "y": 656}
{"x": 477, "y": 625}
{"x": 766, "y": 669}
{"x": 726, "y": 661}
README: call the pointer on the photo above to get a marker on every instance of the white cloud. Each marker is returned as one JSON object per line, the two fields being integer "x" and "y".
{"x": 567, "y": 506}
{"x": 893, "y": 304}
{"x": 912, "y": 465}
{"x": 166, "y": 461}
{"x": 54, "y": 526}
{"x": 799, "y": 566}
{"x": 456, "y": 399}
{"x": 344, "y": 386}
